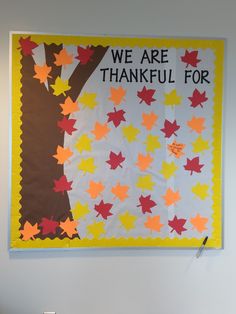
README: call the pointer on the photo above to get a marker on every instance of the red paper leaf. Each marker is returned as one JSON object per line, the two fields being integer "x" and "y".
{"x": 177, "y": 225}
{"x": 116, "y": 117}
{"x": 49, "y": 226}
{"x": 27, "y": 45}
{"x": 62, "y": 185}
{"x": 67, "y": 125}
{"x": 115, "y": 160}
{"x": 193, "y": 165}
{"x": 84, "y": 54}
{"x": 103, "y": 209}
{"x": 146, "y": 204}
{"x": 190, "y": 58}
{"x": 170, "y": 128}
{"x": 146, "y": 95}
{"x": 197, "y": 98}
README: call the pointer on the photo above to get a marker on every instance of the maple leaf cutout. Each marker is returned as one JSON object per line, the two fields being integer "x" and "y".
{"x": 27, "y": 45}
{"x": 88, "y": 100}
{"x": 153, "y": 223}
{"x": 62, "y": 185}
{"x": 115, "y": 160}
{"x": 69, "y": 106}
{"x": 48, "y": 226}
{"x": 60, "y": 86}
{"x": 201, "y": 190}
{"x": 120, "y": 191}
{"x": 84, "y": 143}
{"x": 130, "y": 133}
{"x": 84, "y": 54}
{"x": 144, "y": 162}
{"x": 87, "y": 165}
{"x": 199, "y": 223}
{"x": 172, "y": 98}
{"x": 149, "y": 120}
{"x": 80, "y": 210}
{"x": 146, "y": 204}
{"x": 170, "y": 128}
{"x": 116, "y": 117}
{"x": 42, "y": 72}
{"x": 193, "y": 165}
{"x": 95, "y": 189}
{"x": 171, "y": 197}
{"x": 176, "y": 149}
{"x": 197, "y": 124}
{"x": 152, "y": 143}
{"x": 62, "y": 155}
{"x": 103, "y": 209}
{"x": 69, "y": 227}
{"x": 117, "y": 95}
{"x": 177, "y": 225}
{"x": 190, "y": 58}
{"x": 146, "y": 95}
{"x": 197, "y": 98}
{"x": 127, "y": 220}
{"x": 168, "y": 169}
{"x": 100, "y": 130}
{"x": 63, "y": 58}
{"x": 145, "y": 182}
{"x": 29, "y": 231}
{"x": 96, "y": 229}
{"x": 67, "y": 125}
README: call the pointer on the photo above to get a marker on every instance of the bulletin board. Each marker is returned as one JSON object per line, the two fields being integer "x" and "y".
{"x": 116, "y": 141}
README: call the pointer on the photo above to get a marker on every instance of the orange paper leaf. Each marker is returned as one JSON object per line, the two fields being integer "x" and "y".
{"x": 199, "y": 223}
{"x": 153, "y": 223}
{"x": 144, "y": 161}
{"x": 176, "y": 149}
{"x": 120, "y": 191}
{"x": 117, "y": 95}
{"x": 95, "y": 189}
{"x": 197, "y": 124}
{"x": 171, "y": 197}
{"x": 100, "y": 130}
{"x": 29, "y": 231}
{"x": 62, "y": 155}
{"x": 69, "y": 106}
{"x": 149, "y": 120}
{"x": 68, "y": 227}
{"x": 42, "y": 72}
{"x": 63, "y": 58}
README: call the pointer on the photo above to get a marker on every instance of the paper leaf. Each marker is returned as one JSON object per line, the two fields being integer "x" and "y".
{"x": 177, "y": 225}
{"x": 103, "y": 209}
{"x": 62, "y": 155}
{"x": 130, "y": 133}
{"x": 48, "y": 226}
{"x": 146, "y": 95}
{"x": 146, "y": 204}
{"x": 67, "y": 125}
{"x": 170, "y": 128}
{"x": 190, "y": 58}
{"x": 100, "y": 130}
{"x": 84, "y": 54}
{"x": 115, "y": 160}
{"x": 153, "y": 223}
{"x": 87, "y": 165}
{"x": 95, "y": 189}
{"x": 60, "y": 87}
{"x": 176, "y": 149}
{"x": 144, "y": 162}
{"x": 63, "y": 58}
{"x": 193, "y": 165}
{"x": 62, "y": 185}
{"x": 117, "y": 95}
{"x": 29, "y": 231}
{"x": 172, "y": 98}
{"x": 84, "y": 143}
{"x": 199, "y": 223}
{"x": 120, "y": 191}
{"x": 201, "y": 190}
{"x": 127, "y": 221}
{"x": 145, "y": 183}
{"x": 197, "y": 98}
{"x": 116, "y": 117}
{"x": 42, "y": 72}
{"x": 197, "y": 124}
{"x": 152, "y": 143}
{"x": 69, "y": 106}
{"x": 96, "y": 229}
{"x": 80, "y": 211}
{"x": 69, "y": 227}
{"x": 27, "y": 45}
{"x": 200, "y": 145}
{"x": 88, "y": 100}
{"x": 171, "y": 197}
{"x": 149, "y": 120}
{"x": 168, "y": 169}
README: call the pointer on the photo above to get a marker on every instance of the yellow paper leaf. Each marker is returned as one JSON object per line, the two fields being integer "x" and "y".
{"x": 127, "y": 220}
{"x": 145, "y": 182}
{"x": 201, "y": 190}
{"x": 84, "y": 143}
{"x": 152, "y": 143}
{"x": 87, "y": 165}
{"x": 60, "y": 87}
{"x": 168, "y": 169}
{"x": 130, "y": 133}
{"x": 88, "y": 100}
{"x": 172, "y": 98}
{"x": 80, "y": 211}
{"x": 199, "y": 145}
{"x": 96, "y": 229}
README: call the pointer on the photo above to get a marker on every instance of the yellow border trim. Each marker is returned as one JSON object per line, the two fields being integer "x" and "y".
{"x": 186, "y": 43}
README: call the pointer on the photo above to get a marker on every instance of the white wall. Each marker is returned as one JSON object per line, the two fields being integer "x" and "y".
{"x": 121, "y": 281}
